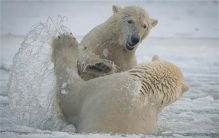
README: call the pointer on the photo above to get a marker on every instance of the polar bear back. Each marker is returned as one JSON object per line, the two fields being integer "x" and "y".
{"x": 129, "y": 102}
{"x": 109, "y": 106}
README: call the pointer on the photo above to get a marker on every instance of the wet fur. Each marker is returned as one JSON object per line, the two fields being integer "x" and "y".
{"x": 112, "y": 35}
{"x": 127, "y": 102}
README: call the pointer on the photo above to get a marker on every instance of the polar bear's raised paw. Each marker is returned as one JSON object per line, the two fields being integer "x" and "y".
{"x": 64, "y": 44}
{"x": 65, "y": 41}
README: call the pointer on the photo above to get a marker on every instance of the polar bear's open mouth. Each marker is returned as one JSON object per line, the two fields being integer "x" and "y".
{"x": 129, "y": 47}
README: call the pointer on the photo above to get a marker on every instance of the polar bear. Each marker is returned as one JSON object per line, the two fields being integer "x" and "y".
{"x": 126, "y": 103}
{"x": 117, "y": 38}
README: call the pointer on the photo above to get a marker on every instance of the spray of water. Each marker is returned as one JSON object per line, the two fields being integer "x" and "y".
{"x": 32, "y": 81}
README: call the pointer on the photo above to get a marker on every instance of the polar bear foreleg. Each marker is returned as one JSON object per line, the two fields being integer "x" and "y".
{"x": 65, "y": 57}
{"x": 64, "y": 48}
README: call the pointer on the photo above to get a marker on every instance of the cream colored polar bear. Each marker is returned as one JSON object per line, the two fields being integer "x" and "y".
{"x": 127, "y": 102}
{"x": 117, "y": 38}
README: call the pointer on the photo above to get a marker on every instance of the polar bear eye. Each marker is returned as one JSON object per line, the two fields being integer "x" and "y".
{"x": 145, "y": 26}
{"x": 130, "y": 21}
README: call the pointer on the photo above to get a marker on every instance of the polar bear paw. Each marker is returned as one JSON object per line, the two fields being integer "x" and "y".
{"x": 97, "y": 68}
{"x": 63, "y": 44}
{"x": 102, "y": 67}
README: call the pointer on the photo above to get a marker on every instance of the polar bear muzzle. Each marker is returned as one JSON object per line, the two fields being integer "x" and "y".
{"x": 132, "y": 42}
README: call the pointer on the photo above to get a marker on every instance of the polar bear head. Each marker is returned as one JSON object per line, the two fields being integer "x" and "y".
{"x": 134, "y": 24}
{"x": 162, "y": 82}
{"x": 180, "y": 85}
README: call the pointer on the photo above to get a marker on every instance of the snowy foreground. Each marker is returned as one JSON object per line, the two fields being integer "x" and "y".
{"x": 194, "y": 115}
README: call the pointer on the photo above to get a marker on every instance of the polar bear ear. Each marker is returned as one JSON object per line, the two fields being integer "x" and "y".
{"x": 155, "y": 57}
{"x": 116, "y": 8}
{"x": 185, "y": 87}
{"x": 154, "y": 22}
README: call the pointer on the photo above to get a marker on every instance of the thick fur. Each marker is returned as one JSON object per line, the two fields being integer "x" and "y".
{"x": 127, "y": 102}
{"x": 109, "y": 39}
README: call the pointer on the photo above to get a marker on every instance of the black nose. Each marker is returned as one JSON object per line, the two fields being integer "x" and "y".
{"x": 135, "y": 39}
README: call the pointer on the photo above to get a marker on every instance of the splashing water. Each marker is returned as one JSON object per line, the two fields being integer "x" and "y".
{"x": 32, "y": 82}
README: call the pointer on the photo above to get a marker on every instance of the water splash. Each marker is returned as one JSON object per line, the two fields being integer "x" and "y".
{"x": 32, "y": 81}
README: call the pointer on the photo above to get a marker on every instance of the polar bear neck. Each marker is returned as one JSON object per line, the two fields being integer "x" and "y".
{"x": 158, "y": 83}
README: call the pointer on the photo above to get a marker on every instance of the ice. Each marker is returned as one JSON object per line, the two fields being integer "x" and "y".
{"x": 187, "y": 35}
{"x": 207, "y": 99}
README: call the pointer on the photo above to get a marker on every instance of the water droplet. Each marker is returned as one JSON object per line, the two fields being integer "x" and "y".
{"x": 50, "y": 66}
{"x": 105, "y": 52}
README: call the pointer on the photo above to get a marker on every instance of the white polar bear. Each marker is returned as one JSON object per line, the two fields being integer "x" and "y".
{"x": 116, "y": 39}
{"x": 127, "y": 102}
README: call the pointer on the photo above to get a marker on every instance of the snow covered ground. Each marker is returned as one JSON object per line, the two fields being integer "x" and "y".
{"x": 187, "y": 35}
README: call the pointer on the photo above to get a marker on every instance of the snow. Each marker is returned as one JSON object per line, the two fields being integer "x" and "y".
{"x": 64, "y": 84}
{"x": 64, "y": 92}
{"x": 187, "y": 35}
{"x": 105, "y": 52}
